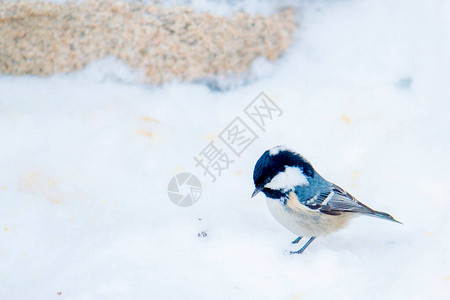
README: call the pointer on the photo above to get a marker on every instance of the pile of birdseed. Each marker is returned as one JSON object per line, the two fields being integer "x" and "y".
{"x": 165, "y": 43}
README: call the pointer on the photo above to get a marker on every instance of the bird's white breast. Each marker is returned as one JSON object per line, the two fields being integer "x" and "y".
{"x": 303, "y": 221}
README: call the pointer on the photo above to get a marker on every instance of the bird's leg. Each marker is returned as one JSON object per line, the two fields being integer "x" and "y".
{"x": 305, "y": 246}
{"x": 297, "y": 240}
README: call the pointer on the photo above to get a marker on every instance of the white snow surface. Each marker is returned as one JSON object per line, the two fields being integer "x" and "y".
{"x": 86, "y": 158}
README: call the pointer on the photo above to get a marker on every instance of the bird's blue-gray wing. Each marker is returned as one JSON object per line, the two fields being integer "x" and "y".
{"x": 341, "y": 201}
{"x": 334, "y": 200}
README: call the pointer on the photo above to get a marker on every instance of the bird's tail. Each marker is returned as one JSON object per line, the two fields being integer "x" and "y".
{"x": 382, "y": 215}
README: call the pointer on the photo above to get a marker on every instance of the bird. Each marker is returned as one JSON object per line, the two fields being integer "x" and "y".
{"x": 303, "y": 201}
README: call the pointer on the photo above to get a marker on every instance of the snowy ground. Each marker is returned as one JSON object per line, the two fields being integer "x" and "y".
{"x": 86, "y": 158}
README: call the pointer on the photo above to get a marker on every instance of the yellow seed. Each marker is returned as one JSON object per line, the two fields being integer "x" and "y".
{"x": 345, "y": 119}
{"x": 148, "y": 119}
{"x": 143, "y": 132}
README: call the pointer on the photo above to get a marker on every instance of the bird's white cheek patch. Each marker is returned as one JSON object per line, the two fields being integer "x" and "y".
{"x": 290, "y": 178}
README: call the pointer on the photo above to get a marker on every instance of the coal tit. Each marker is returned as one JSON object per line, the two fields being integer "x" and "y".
{"x": 302, "y": 200}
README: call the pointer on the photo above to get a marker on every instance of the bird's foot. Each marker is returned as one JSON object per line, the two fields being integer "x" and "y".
{"x": 304, "y": 247}
{"x": 297, "y": 240}
{"x": 297, "y": 252}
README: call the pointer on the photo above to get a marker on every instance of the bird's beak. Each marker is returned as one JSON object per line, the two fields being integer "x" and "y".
{"x": 256, "y": 191}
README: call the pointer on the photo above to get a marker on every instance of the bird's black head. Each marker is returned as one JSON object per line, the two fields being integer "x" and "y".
{"x": 276, "y": 161}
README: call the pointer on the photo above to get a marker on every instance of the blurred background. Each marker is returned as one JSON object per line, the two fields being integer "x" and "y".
{"x": 111, "y": 111}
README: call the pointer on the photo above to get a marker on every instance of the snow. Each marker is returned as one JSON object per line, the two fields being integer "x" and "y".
{"x": 86, "y": 158}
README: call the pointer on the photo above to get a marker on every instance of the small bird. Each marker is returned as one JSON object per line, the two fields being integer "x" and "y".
{"x": 302, "y": 200}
